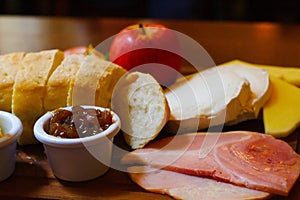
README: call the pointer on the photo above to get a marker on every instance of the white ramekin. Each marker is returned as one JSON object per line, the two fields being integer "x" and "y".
{"x": 12, "y": 128}
{"x": 77, "y": 159}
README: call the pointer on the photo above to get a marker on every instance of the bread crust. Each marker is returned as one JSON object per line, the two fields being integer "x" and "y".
{"x": 44, "y": 81}
{"x": 9, "y": 66}
{"x": 29, "y": 89}
{"x": 59, "y": 82}
{"x": 94, "y": 82}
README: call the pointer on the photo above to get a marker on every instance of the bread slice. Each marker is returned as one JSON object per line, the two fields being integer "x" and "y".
{"x": 212, "y": 97}
{"x": 29, "y": 89}
{"x": 58, "y": 84}
{"x": 9, "y": 65}
{"x": 140, "y": 103}
{"x": 94, "y": 82}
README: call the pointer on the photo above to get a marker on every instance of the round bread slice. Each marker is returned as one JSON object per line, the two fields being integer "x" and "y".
{"x": 139, "y": 101}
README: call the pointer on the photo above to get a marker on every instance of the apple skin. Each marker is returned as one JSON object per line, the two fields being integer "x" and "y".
{"x": 147, "y": 48}
{"x": 76, "y": 50}
{"x": 83, "y": 50}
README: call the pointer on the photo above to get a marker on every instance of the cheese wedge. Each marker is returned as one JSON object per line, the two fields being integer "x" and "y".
{"x": 29, "y": 89}
{"x": 94, "y": 82}
{"x": 281, "y": 114}
{"x": 259, "y": 84}
{"x": 212, "y": 97}
{"x": 9, "y": 65}
{"x": 59, "y": 82}
{"x": 288, "y": 74}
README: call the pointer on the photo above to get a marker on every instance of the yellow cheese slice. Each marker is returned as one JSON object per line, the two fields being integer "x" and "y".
{"x": 9, "y": 65}
{"x": 281, "y": 114}
{"x": 288, "y": 74}
{"x": 29, "y": 89}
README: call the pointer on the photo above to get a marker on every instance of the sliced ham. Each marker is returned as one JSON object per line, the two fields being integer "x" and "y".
{"x": 182, "y": 186}
{"x": 254, "y": 160}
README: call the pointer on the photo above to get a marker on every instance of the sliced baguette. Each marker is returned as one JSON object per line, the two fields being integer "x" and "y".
{"x": 212, "y": 97}
{"x": 59, "y": 82}
{"x": 94, "y": 82}
{"x": 29, "y": 89}
{"x": 139, "y": 101}
{"x": 9, "y": 65}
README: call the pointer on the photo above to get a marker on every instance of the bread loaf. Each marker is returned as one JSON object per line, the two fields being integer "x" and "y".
{"x": 139, "y": 101}
{"x": 94, "y": 82}
{"x": 58, "y": 84}
{"x": 37, "y": 82}
{"x": 9, "y": 65}
{"x": 29, "y": 89}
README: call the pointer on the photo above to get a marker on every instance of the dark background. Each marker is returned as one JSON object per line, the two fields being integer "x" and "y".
{"x": 285, "y": 11}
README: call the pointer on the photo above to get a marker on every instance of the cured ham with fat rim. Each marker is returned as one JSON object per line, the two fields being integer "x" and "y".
{"x": 253, "y": 160}
{"x": 182, "y": 186}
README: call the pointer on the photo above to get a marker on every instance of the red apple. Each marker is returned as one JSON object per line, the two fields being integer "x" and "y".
{"x": 149, "y": 48}
{"x": 76, "y": 50}
{"x": 84, "y": 50}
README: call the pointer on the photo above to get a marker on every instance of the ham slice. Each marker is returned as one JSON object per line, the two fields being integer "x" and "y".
{"x": 182, "y": 186}
{"x": 253, "y": 160}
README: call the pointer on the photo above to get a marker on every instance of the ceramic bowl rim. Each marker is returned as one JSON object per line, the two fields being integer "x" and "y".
{"x": 42, "y": 136}
{"x": 14, "y": 132}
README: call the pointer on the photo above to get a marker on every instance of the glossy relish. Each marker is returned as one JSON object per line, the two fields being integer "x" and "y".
{"x": 79, "y": 122}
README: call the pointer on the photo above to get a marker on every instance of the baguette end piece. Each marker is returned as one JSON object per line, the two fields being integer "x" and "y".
{"x": 140, "y": 102}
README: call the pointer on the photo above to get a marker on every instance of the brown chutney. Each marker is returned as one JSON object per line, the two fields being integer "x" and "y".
{"x": 79, "y": 122}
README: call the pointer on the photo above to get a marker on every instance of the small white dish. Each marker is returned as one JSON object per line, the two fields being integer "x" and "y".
{"x": 12, "y": 129}
{"x": 77, "y": 159}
